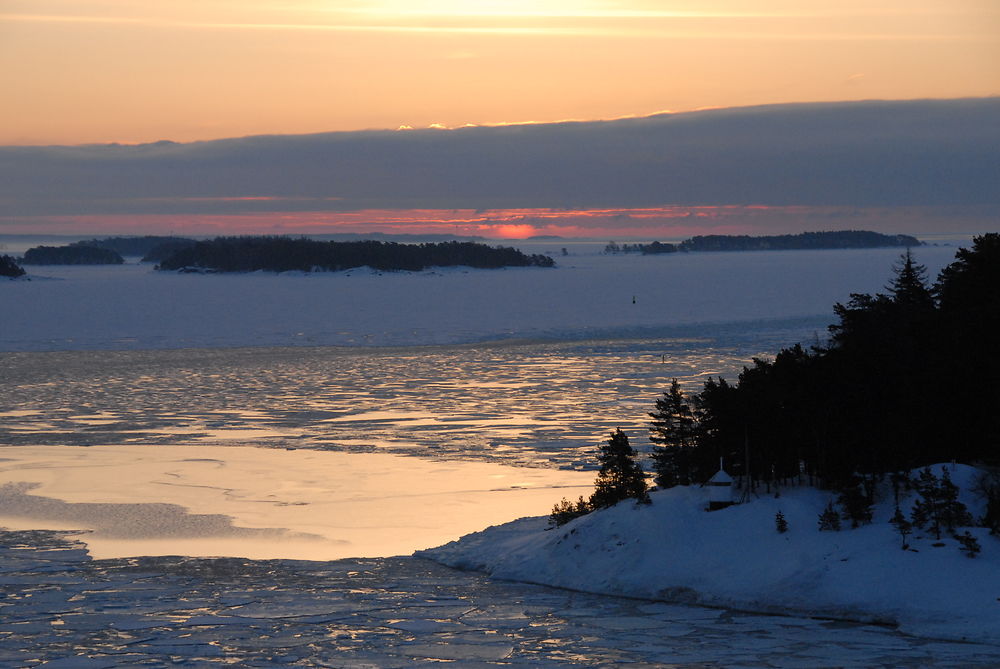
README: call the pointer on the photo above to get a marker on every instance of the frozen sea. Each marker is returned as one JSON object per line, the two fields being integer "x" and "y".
{"x": 202, "y": 469}
{"x": 61, "y": 609}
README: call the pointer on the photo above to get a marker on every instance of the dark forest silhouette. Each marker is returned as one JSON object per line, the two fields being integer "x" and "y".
{"x": 283, "y": 254}
{"x": 837, "y": 239}
{"x": 149, "y": 247}
{"x": 10, "y": 268}
{"x": 71, "y": 255}
{"x": 907, "y": 379}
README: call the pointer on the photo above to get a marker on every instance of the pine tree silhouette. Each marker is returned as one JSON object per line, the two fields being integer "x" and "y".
{"x": 620, "y": 476}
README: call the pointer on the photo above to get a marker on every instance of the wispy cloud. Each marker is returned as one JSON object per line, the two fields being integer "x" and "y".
{"x": 307, "y": 27}
{"x": 533, "y": 19}
{"x": 649, "y": 223}
{"x": 69, "y": 18}
{"x": 636, "y": 9}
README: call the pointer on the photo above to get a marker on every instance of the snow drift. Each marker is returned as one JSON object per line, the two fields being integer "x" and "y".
{"x": 675, "y": 550}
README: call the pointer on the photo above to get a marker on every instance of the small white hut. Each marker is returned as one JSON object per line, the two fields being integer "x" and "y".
{"x": 720, "y": 490}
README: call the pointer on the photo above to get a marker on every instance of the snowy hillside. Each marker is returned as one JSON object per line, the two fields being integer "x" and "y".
{"x": 675, "y": 550}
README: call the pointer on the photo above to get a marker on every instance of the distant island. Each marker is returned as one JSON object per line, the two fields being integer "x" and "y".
{"x": 71, "y": 255}
{"x": 284, "y": 254}
{"x": 837, "y": 239}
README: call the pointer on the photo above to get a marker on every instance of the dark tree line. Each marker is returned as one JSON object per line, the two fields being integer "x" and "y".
{"x": 281, "y": 254}
{"x": 136, "y": 246}
{"x": 908, "y": 378}
{"x": 837, "y": 239}
{"x": 656, "y": 248}
{"x": 652, "y": 248}
{"x": 163, "y": 250}
{"x": 10, "y": 268}
{"x": 71, "y": 255}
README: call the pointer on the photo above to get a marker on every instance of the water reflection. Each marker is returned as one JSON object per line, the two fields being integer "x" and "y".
{"x": 209, "y": 500}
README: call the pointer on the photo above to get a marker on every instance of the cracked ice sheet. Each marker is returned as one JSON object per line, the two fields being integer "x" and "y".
{"x": 265, "y": 503}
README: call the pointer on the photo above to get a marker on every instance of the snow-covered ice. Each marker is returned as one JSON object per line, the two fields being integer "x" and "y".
{"x": 127, "y": 367}
{"x": 301, "y": 429}
{"x": 62, "y": 609}
{"x": 521, "y": 404}
{"x": 589, "y": 295}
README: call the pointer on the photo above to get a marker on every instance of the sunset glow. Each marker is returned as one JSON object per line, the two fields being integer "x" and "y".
{"x": 141, "y": 71}
{"x": 647, "y": 223}
{"x": 132, "y": 73}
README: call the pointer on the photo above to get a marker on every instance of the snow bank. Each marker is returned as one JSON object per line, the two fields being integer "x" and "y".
{"x": 675, "y": 550}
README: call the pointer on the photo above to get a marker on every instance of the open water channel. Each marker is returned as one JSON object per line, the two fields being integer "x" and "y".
{"x": 538, "y": 405}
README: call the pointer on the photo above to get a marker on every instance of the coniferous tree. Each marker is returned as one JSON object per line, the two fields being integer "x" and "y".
{"x": 953, "y": 512}
{"x": 991, "y": 519}
{"x": 620, "y": 476}
{"x": 968, "y": 286}
{"x": 968, "y": 292}
{"x": 565, "y": 511}
{"x": 925, "y": 510}
{"x": 673, "y": 429}
{"x": 938, "y": 505}
{"x": 780, "y": 523}
{"x": 856, "y": 503}
{"x": 909, "y": 285}
{"x": 968, "y": 544}
{"x": 988, "y": 486}
{"x": 903, "y": 526}
{"x": 868, "y": 402}
{"x": 900, "y": 480}
{"x": 829, "y": 520}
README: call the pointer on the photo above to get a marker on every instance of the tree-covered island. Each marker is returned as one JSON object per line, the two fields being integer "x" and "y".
{"x": 835, "y": 239}
{"x": 106, "y": 251}
{"x": 72, "y": 254}
{"x": 284, "y": 254}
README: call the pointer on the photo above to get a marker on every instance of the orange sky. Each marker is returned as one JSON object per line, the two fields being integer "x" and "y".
{"x": 84, "y": 71}
{"x": 663, "y": 223}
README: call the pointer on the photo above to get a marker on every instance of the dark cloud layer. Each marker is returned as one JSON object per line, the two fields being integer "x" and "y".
{"x": 865, "y": 154}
